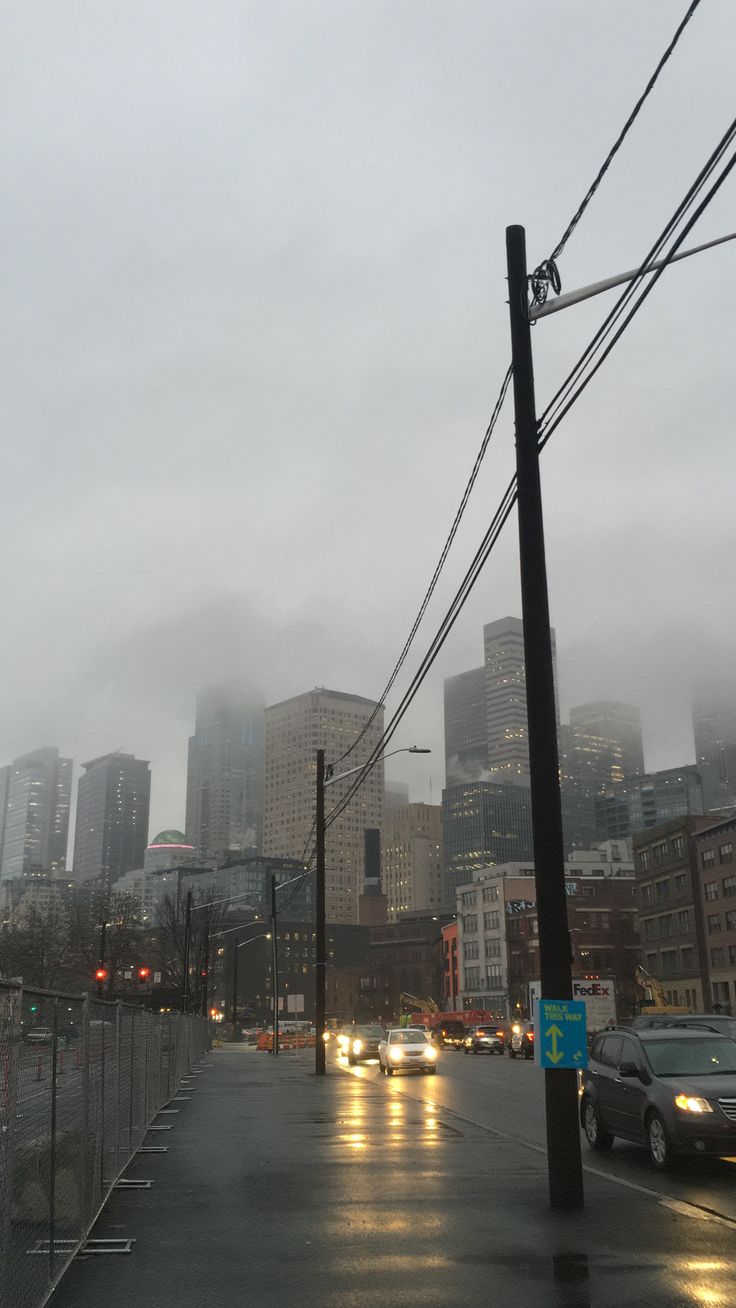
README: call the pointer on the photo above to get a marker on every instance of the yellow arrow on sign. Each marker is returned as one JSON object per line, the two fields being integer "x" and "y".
{"x": 554, "y": 1055}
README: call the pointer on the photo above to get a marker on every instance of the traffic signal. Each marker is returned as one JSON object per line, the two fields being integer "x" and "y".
{"x": 203, "y": 973}
{"x": 144, "y": 973}
{"x": 101, "y": 975}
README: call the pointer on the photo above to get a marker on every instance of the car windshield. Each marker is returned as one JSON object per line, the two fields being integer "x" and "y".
{"x": 692, "y": 1057}
{"x": 369, "y": 1032}
{"x": 407, "y": 1038}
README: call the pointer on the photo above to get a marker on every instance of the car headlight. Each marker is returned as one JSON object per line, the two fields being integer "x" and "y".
{"x": 357, "y": 1046}
{"x": 326, "y": 1036}
{"x": 430, "y": 1051}
{"x": 516, "y": 1029}
{"x": 343, "y": 1041}
{"x": 396, "y": 1054}
{"x": 692, "y": 1104}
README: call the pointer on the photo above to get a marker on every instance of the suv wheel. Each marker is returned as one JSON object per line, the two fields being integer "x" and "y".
{"x": 597, "y": 1138}
{"x": 658, "y": 1141}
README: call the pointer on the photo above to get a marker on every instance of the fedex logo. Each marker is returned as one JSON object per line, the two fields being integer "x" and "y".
{"x": 593, "y": 988}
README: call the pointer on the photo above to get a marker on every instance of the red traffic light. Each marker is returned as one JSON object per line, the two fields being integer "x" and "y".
{"x": 101, "y": 974}
{"x": 144, "y": 974}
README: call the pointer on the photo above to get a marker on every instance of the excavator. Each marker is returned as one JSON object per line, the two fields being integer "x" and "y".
{"x": 656, "y": 1000}
{"x": 410, "y": 1005}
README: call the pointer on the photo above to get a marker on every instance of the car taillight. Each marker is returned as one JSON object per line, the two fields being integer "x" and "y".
{"x": 500, "y": 1035}
{"x": 530, "y": 1035}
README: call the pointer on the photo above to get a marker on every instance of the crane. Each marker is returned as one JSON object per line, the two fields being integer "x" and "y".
{"x": 415, "y": 1005}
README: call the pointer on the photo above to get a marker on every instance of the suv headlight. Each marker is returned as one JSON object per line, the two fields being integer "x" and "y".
{"x": 431, "y": 1052}
{"x": 357, "y": 1046}
{"x": 692, "y": 1104}
{"x": 396, "y": 1053}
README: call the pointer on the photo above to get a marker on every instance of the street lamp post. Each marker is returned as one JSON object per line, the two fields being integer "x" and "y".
{"x": 320, "y": 969}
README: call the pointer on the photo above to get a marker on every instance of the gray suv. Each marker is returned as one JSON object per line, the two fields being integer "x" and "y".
{"x": 672, "y": 1089}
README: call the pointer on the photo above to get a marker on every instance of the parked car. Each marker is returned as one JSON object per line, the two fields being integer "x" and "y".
{"x": 521, "y": 1044}
{"x": 39, "y": 1035}
{"x": 484, "y": 1040}
{"x": 451, "y": 1034}
{"x": 404, "y": 1050}
{"x": 671, "y": 1089}
{"x": 364, "y": 1043}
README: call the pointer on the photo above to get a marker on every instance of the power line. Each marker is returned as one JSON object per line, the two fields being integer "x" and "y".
{"x": 440, "y": 564}
{"x": 489, "y": 540}
{"x": 575, "y": 382}
{"x": 547, "y": 274}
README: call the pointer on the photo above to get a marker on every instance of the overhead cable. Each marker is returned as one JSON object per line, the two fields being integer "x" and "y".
{"x": 440, "y": 565}
{"x": 547, "y": 274}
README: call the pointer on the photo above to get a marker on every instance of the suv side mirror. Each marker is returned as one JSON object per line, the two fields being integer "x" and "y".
{"x": 629, "y": 1069}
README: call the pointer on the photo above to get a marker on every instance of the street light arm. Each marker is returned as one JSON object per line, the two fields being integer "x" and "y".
{"x": 597, "y": 288}
{"x": 411, "y": 749}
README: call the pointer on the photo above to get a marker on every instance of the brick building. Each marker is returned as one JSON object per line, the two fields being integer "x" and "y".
{"x": 671, "y": 910}
{"x": 716, "y": 873}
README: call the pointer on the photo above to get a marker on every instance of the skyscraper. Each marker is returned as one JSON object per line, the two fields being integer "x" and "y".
{"x": 111, "y": 832}
{"x": 225, "y": 772}
{"x": 295, "y": 730}
{"x": 714, "y": 728}
{"x": 604, "y": 745}
{"x": 35, "y": 798}
{"x": 507, "y": 732}
{"x": 466, "y": 728}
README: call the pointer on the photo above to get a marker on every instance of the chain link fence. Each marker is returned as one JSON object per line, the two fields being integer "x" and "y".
{"x": 80, "y": 1082}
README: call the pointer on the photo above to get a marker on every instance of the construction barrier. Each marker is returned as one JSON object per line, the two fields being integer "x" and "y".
{"x": 81, "y": 1082}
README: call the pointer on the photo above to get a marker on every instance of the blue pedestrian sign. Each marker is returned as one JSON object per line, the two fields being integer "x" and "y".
{"x": 561, "y": 1033}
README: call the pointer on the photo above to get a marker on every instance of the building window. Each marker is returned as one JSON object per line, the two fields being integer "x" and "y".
{"x": 472, "y": 977}
{"x": 663, "y": 889}
{"x": 725, "y": 853}
{"x": 665, "y": 925}
{"x": 470, "y": 924}
{"x": 493, "y": 974}
{"x": 659, "y": 852}
{"x": 731, "y": 921}
{"x": 720, "y": 992}
{"x": 729, "y": 886}
{"x": 652, "y": 963}
{"x": 493, "y": 948}
{"x": 678, "y": 846}
{"x": 647, "y": 896}
{"x": 471, "y": 949}
{"x": 711, "y": 890}
{"x": 732, "y": 955}
{"x": 643, "y": 857}
{"x": 687, "y": 958}
{"x": 669, "y": 961}
{"x": 708, "y": 858}
{"x": 683, "y": 920}
{"x": 648, "y": 928}
{"x": 714, "y": 923}
{"x": 490, "y": 895}
{"x": 717, "y": 957}
{"x": 490, "y": 921}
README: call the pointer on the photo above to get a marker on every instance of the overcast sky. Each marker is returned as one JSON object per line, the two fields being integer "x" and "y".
{"x": 254, "y": 323}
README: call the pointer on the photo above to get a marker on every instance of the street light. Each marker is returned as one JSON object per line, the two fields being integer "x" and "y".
{"x": 326, "y": 777}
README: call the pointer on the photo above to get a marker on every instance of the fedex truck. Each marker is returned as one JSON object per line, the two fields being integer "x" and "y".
{"x": 597, "y": 993}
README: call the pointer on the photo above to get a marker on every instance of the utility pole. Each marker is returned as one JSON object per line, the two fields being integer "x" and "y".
{"x": 101, "y": 964}
{"x": 234, "y": 1007}
{"x": 564, "y": 1162}
{"x": 274, "y": 968}
{"x": 320, "y": 962}
{"x": 206, "y": 965}
{"x": 187, "y": 939}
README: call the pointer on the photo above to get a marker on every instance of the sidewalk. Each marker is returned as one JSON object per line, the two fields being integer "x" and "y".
{"x": 282, "y": 1189}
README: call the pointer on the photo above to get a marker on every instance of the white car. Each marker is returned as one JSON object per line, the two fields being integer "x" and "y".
{"x": 406, "y": 1048}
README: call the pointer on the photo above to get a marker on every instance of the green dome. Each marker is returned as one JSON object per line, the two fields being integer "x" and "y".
{"x": 170, "y": 838}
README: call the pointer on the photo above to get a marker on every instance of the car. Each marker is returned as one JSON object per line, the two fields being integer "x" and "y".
{"x": 671, "y": 1089}
{"x": 39, "y": 1035}
{"x": 521, "y": 1042}
{"x": 484, "y": 1040}
{"x": 719, "y": 1022}
{"x": 405, "y": 1050}
{"x": 451, "y": 1034}
{"x": 364, "y": 1042}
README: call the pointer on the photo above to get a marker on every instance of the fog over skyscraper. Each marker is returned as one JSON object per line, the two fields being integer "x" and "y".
{"x": 113, "y": 802}
{"x": 225, "y": 771}
{"x": 35, "y": 798}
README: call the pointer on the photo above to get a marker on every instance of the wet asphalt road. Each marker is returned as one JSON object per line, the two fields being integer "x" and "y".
{"x": 506, "y": 1096}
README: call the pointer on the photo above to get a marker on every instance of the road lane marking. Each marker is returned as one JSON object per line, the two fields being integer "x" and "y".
{"x": 682, "y": 1206}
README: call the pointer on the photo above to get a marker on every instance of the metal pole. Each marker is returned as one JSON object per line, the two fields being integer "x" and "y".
{"x": 234, "y": 1006}
{"x": 275, "y": 969}
{"x": 206, "y": 965}
{"x": 320, "y": 962}
{"x": 187, "y": 938}
{"x": 52, "y": 1150}
{"x": 101, "y": 984}
{"x": 564, "y": 1161}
